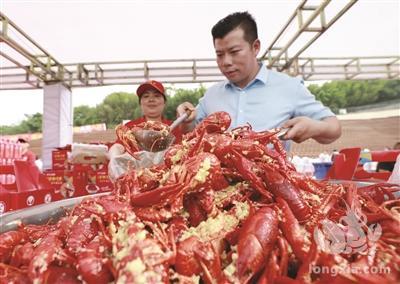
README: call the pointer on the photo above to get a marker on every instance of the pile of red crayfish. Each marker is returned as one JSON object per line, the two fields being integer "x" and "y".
{"x": 223, "y": 208}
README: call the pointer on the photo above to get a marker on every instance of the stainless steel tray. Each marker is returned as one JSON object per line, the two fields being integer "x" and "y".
{"x": 358, "y": 183}
{"x": 40, "y": 214}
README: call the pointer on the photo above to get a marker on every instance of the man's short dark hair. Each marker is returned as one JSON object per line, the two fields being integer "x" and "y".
{"x": 244, "y": 20}
{"x": 22, "y": 140}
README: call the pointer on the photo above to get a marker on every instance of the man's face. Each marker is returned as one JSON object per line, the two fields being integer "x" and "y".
{"x": 236, "y": 58}
{"x": 152, "y": 103}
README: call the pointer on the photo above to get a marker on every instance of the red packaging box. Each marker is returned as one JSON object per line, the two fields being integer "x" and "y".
{"x": 55, "y": 178}
{"x": 59, "y": 159}
{"x": 31, "y": 188}
{"x": 79, "y": 181}
{"x": 83, "y": 167}
{"x": 103, "y": 181}
{"x": 7, "y": 177}
{"x": 68, "y": 183}
{"x": 83, "y": 179}
{"x": 5, "y": 200}
{"x": 98, "y": 181}
{"x": 35, "y": 197}
{"x": 12, "y": 200}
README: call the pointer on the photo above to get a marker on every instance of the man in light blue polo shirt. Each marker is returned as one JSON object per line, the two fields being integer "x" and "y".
{"x": 253, "y": 94}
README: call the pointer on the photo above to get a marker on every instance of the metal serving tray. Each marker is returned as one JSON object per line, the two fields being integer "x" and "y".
{"x": 40, "y": 214}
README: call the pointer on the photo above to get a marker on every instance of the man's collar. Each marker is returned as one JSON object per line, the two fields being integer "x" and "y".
{"x": 262, "y": 74}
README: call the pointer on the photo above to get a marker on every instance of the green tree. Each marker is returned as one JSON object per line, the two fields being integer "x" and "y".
{"x": 32, "y": 123}
{"x": 11, "y": 129}
{"x": 117, "y": 107}
{"x": 85, "y": 115}
{"x": 341, "y": 94}
{"x": 390, "y": 90}
{"x": 330, "y": 95}
{"x": 180, "y": 96}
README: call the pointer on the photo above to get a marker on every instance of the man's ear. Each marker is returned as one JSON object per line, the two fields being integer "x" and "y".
{"x": 256, "y": 46}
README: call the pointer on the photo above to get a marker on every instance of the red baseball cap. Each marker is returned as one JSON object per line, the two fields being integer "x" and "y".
{"x": 150, "y": 85}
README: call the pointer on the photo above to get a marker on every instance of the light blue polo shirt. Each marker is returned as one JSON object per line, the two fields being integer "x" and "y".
{"x": 266, "y": 102}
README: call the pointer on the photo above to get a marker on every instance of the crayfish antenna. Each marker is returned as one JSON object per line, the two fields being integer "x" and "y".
{"x": 207, "y": 274}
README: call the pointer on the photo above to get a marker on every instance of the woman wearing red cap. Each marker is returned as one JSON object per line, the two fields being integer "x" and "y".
{"x": 152, "y": 102}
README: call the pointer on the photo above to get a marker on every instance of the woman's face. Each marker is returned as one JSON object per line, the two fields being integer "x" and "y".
{"x": 152, "y": 104}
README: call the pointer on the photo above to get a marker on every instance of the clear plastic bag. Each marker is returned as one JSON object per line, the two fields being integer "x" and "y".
{"x": 120, "y": 164}
{"x": 395, "y": 176}
{"x": 88, "y": 153}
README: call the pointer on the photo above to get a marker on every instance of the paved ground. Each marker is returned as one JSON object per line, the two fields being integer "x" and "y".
{"x": 374, "y": 134}
{"x": 374, "y": 131}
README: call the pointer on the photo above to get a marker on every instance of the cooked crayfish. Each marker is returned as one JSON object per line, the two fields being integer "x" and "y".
{"x": 223, "y": 208}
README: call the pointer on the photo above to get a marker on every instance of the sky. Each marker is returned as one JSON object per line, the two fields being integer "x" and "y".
{"x": 84, "y": 31}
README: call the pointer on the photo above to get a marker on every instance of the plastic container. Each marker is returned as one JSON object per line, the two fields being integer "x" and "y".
{"x": 321, "y": 169}
{"x": 309, "y": 168}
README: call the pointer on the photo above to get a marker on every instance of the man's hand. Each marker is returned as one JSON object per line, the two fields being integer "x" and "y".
{"x": 188, "y": 124}
{"x": 302, "y": 128}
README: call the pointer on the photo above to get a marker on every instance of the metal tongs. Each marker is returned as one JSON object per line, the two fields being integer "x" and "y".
{"x": 282, "y": 132}
{"x": 156, "y": 141}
